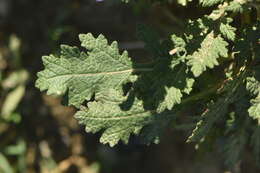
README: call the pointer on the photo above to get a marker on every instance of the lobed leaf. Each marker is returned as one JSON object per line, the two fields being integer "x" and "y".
{"x": 208, "y": 3}
{"x": 82, "y": 74}
{"x": 228, "y": 31}
{"x": 106, "y": 114}
{"x": 211, "y": 49}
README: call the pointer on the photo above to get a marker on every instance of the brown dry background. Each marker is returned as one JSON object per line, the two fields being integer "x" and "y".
{"x": 38, "y": 134}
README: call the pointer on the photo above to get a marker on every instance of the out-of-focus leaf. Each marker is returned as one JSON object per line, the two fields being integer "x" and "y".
{"x": 5, "y": 166}
{"x": 17, "y": 149}
{"x": 95, "y": 167}
{"x": 1, "y": 76}
{"x": 15, "y": 78}
{"x": 12, "y": 101}
{"x": 48, "y": 165}
{"x": 14, "y": 43}
{"x": 15, "y": 118}
{"x": 14, "y": 47}
{"x": 183, "y": 2}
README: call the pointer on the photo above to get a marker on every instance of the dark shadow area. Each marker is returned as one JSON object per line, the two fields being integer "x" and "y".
{"x": 52, "y": 140}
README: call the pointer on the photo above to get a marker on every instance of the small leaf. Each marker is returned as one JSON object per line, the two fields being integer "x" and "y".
{"x": 183, "y": 2}
{"x": 235, "y": 6}
{"x": 253, "y": 85}
{"x": 208, "y": 3}
{"x": 211, "y": 49}
{"x": 254, "y": 110}
{"x": 228, "y": 31}
{"x": 173, "y": 97}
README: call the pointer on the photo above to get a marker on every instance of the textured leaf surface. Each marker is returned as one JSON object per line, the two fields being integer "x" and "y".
{"x": 254, "y": 110}
{"x": 234, "y": 147}
{"x": 208, "y": 118}
{"x": 172, "y": 97}
{"x": 228, "y": 31}
{"x": 118, "y": 124}
{"x": 169, "y": 80}
{"x": 207, "y": 3}
{"x": 253, "y": 86}
{"x": 83, "y": 74}
{"x": 235, "y": 6}
{"x": 174, "y": 94}
{"x": 211, "y": 49}
{"x": 216, "y": 111}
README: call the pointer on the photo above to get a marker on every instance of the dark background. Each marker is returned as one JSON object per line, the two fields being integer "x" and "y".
{"x": 38, "y": 134}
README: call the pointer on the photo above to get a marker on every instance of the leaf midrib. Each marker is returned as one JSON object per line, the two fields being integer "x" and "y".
{"x": 102, "y": 73}
{"x": 111, "y": 118}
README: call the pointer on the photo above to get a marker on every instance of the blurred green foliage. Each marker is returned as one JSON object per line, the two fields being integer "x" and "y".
{"x": 37, "y": 133}
{"x": 13, "y": 83}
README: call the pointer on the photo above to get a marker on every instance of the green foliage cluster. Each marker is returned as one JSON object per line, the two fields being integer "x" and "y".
{"x": 118, "y": 96}
{"x": 12, "y": 90}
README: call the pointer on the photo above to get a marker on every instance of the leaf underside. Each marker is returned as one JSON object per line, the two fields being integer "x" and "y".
{"x": 82, "y": 74}
{"x": 101, "y": 71}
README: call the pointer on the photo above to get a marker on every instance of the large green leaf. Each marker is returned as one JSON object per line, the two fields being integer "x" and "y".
{"x": 118, "y": 124}
{"x": 82, "y": 74}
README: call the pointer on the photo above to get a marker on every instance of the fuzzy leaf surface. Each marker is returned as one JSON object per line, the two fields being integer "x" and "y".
{"x": 207, "y": 3}
{"x": 254, "y": 110}
{"x": 211, "y": 49}
{"x": 228, "y": 31}
{"x": 83, "y": 74}
{"x": 118, "y": 124}
{"x": 253, "y": 86}
{"x": 216, "y": 111}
